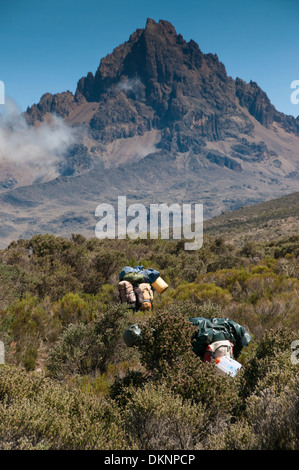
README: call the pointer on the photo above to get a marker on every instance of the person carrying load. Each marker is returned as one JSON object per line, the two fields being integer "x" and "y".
{"x": 218, "y": 340}
{"x": 136, "y": 287}
{"x": 218, "y": 337}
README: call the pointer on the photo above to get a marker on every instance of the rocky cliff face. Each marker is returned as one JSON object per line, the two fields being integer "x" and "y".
{"x": 253, "y": 98}
{"x": 60, "y": 104}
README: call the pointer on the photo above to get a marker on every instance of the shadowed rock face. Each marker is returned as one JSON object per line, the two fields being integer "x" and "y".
{"x": 163, "y": 122}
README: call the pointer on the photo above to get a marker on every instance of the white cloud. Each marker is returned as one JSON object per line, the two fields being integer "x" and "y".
{"x": 130, "y": 85}
{"x": 38, "y": 148}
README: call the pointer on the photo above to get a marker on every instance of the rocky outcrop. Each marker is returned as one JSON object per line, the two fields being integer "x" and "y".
{"x": 224, "y": 161}
{"x": 60, "y": 104}
{"x": 255, "y": 152}
{"x": 76, "y": 161}
{"x": 253, "y": 98}
{"x": 158, "y": 80}
{"x": 8, "y": 182}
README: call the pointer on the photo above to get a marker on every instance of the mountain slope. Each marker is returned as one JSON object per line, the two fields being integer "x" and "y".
{"x": 261, "y": 222}
{"x": 159, "y": 121}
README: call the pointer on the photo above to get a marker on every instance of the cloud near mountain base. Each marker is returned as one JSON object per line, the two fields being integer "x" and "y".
{"x": 37, "y": 148}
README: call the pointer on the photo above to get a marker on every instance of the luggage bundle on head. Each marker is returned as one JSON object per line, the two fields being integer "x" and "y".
{"x": 143, "y": 282}
{"x": 218, "y": 329}
{"x": 134, "y": 278}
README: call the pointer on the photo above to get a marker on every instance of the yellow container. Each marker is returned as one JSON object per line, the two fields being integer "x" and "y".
{"x": 159, "y": 285}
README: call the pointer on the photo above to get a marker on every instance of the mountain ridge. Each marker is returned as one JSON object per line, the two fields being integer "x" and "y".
{"x": 268, "y": 220}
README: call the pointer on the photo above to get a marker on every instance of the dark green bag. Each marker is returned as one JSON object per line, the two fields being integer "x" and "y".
{"x": 132, "y": 335}
{"x": 133, "y": 278}
{"x": 218, "y": 329}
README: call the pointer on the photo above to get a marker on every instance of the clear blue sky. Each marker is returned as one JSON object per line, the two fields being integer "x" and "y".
{"x": 47, "y": 46}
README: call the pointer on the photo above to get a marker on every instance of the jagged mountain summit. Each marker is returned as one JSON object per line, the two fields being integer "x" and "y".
{"x": 157, "y": 79}
{"x": 159, "y": 121}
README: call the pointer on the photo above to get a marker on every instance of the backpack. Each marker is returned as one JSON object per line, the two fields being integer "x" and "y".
{"x": 144, "y": 296}
{"x": 126, "y": 293}
{"x": 218, "y": 329}
{"x": 132, "y": 335}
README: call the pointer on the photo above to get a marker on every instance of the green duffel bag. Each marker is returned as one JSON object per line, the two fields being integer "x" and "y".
{"x": 133, "y": 277}
{"x": 218, "y": 329}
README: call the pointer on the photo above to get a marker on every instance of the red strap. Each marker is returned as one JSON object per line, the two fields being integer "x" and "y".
{"x": 207, "y": 354}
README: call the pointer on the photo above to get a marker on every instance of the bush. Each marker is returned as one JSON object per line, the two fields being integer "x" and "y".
{"x": 237, "y": 436}
{"x": 166, "y": 351}
{"x": 271, "y": 364}
{"x": 274, "y": 417}
{"x": 38, "y": 414}
{"x": 87, "y": 348}
{"x": 155, "y": 418}
{"x": 30, "y": 358}
{"x": 72, "y": 309}
{"x": 165, "y": 338}
{"x": 28, "y": 324}
{"x": 204, "y": 292}
{"x": 199, "y": 382}
{"x": 125, "y": 388}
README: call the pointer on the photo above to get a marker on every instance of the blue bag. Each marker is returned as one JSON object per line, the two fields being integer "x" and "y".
{"x": 150, "y": 275}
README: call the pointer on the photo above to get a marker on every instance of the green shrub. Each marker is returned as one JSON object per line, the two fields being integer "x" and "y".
{"x": 38, "y": 414}
{"x": 28, "y": 324}
{"x": 165, "y": 338}
{"x": 271, "y": 363}
{"x": 199, "y": 382}
{"x": 236, "y": 436}
{"x": 166, "y": 351}
{"x": 30, "y": 358}
{"x": 157, "y": 419}
{"x": 87, "y": 348}
{"x": 72, "y": 309}
{"x": 57, "y": 280}
{"x": 274, "y": 416}
{"x": 201, "y": 293}
{"x": 252, "y": 249}
{"x": 9, "y": 280}
{"x": 124, "y": 388}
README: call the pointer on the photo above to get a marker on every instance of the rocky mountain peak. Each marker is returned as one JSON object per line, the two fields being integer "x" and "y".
{"x": 158, "y": 82}
{"x": 158, "y": 57}
{"x": 164, "y": 80}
